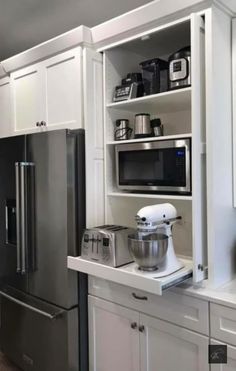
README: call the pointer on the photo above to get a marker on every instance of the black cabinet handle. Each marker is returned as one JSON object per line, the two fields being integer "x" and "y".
{"x": 133, "y": 325}
{"x": 38, "y": 123}
{"x": 135, "y": 296}
{"x": 43, "y": 123}
{"x": 141, "y": 328}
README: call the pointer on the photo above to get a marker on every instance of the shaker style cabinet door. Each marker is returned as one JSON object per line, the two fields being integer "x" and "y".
{"x": 62, "y": 98}
{"x": 48, "y": 95}
{"x": 27, "y": 99}
{"x": 166, "y": 347}
{"x": 5, "y": 108}
{"x": 113, "y": 337}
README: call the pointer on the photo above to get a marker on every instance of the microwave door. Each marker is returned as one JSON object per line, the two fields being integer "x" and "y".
{"x": 162, "y": 166}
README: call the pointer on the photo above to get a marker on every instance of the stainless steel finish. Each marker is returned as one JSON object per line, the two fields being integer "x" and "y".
{"x": 181, "y": 78}
{"x": 36, "y": 310}
{"x": 157, "y": 145}
{"x": 158, "y": 131}
{"x": 18, "y": 226}
{"x": 59, "y": 207}
{"x": 122, "y": 130}
{"x": 23, "y": 219}
{"x": 24, "y": 216}
{"x": 142, "y": 125}
{"x": 134, "y": 325}
{"x": 49, "y": 201}
{"x": 6, "y": 223}
{"x": 135, "y": 296}
{"x": 113, "y": 252}
{"x": 38, "y": 341}
{"x": 148, "y": 250}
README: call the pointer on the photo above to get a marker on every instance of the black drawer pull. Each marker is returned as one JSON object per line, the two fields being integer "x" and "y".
{"x": 139, "y": 297}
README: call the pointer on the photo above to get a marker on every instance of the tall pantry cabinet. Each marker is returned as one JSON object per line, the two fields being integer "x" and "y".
{"x": 207, "y": 232}
{"x": 207, "y": 235}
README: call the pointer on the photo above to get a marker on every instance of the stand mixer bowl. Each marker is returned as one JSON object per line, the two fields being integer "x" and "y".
{"x": 148, "y": 250}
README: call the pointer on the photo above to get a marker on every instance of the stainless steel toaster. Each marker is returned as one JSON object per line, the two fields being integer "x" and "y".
{"x": 107, "y": 244}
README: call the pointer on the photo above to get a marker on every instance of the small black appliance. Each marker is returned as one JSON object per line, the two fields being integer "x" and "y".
{"x": 155, "y": 75}
{"x": 131, "y": 87}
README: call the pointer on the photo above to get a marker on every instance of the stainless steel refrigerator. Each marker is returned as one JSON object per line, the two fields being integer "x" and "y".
{"x": 42, "y": 217}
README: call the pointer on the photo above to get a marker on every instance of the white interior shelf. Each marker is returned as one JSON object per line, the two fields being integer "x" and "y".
{"x": 129, "y": 275}
{"x": 150, "y": 195}
{"x": 151, "y": 139}
{"x": 169, "y": 101}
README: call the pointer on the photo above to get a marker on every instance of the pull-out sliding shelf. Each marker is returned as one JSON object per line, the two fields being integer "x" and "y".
{"x": 128, "y": 275}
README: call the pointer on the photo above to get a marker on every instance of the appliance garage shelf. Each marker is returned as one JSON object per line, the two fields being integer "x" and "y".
{"x": 150, "y": 195}
{"x": 151, "y": 139}
{"x": 130, "y": 275}
{"x": 169, "y": 101}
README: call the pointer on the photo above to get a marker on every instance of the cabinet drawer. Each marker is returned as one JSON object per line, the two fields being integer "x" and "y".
{"x": 223, "y": 323}
{"x": 182, "y": 310}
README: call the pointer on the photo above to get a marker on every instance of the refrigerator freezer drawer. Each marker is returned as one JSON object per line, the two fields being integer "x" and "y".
{"x": 38, "y": 336}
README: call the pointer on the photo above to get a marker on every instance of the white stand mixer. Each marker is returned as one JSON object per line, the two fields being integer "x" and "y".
{"x": 162, "y": 218}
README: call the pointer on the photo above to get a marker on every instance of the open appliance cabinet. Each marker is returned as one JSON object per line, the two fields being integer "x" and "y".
{"x": 206, "y": 235}
{"x": 182, "y": 112}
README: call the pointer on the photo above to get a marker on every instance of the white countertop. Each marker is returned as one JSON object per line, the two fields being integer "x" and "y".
{"x": 224, "y": 295}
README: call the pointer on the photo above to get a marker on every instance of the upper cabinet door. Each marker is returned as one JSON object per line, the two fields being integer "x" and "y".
{"x": 199, "y": 234}
{"x": 62, "y": 79}
{"x": 5, "y": 108}
{"x": 27, "y": 98}
{"x": 166, "y": 347}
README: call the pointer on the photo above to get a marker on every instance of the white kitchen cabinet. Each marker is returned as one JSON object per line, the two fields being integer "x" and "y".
{"x": 179, "y": 309}
{"x": 5, "y": 108}
{"x": 27, "y": 98}
{"x": 124, "y": 339}
{"x": 231, "y": 359}
{"x": 182, "y": 112}
{"x": 167, "y": 347}
{"x": 223, "y": 323}
{"x": 62, "y": 78}
{"x": 113, "y": 337}
{"x": 48, "y": 95}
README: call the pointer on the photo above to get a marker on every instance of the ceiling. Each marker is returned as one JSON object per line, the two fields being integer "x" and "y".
{"x": 26, "y": 23}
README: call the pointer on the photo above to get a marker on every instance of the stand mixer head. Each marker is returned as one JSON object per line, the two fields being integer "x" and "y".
{"x": 152, "y": 250}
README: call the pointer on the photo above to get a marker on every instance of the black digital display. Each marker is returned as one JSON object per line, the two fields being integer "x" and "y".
{"x": 177, "y": 66}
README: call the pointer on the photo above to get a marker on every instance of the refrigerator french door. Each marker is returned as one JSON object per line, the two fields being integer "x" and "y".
{"x": 42, "y": 217}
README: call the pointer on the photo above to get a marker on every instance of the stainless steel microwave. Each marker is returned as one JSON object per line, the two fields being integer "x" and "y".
{"x": 160, "y": 166}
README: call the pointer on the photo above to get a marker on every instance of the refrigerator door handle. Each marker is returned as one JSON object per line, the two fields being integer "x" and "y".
{"x": 18, "y": 223}
{"x": 27, "y": 177}
{"x": 30, "y": 307}
{"x": 25, "y": 225}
